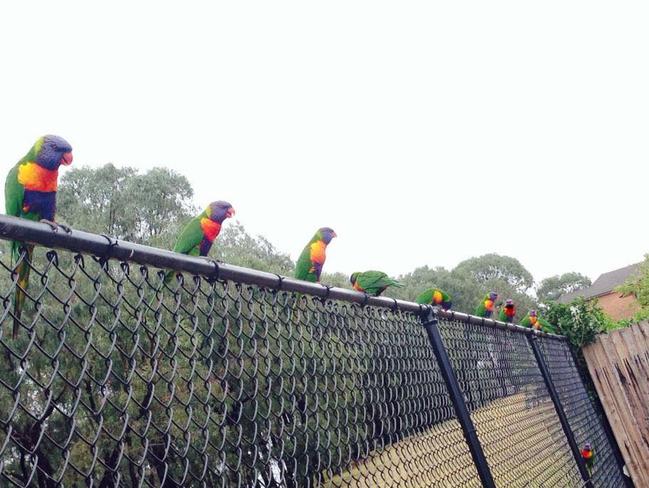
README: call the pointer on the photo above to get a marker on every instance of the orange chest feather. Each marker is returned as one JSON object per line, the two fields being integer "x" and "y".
{"x": 210, "y": 228}
{"x": 36, "y": 178}
{"x": 318, "y": 252}
{"x": 357, "y": 287}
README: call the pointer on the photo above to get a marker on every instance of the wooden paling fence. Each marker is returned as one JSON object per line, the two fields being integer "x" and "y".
{"x": 619, "y": 366}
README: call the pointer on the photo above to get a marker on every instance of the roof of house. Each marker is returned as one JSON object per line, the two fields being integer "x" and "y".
{"x": 602, "y": 285}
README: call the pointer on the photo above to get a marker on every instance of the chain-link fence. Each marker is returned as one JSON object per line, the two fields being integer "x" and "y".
{"x": 584, "y": 416}
{"x": 121, "y": 374}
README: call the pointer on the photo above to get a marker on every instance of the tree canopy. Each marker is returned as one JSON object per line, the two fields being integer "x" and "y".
{"x": 638, "y": 286}
{"x": 123, "y": 203}
{"x": 550, "y": 289}
{"x": 494, "y": 269}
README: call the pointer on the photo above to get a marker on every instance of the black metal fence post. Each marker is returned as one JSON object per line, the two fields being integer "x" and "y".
{"x": 430, "y": 322}
{"x": 533, "y": 340}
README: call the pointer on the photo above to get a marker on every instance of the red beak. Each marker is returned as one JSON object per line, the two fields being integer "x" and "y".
{"x": 66, "y": 159}
{"x": 230, "y": 212}
{"x": 334, "y": 235}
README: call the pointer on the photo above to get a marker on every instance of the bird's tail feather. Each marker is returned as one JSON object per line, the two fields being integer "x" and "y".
{"x": 23, "y": 269}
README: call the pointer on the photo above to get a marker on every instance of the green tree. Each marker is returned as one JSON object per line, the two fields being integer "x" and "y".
{"x": 638, "y": 284}
{"x": 494, "y": 268}
{"x": 550, "y": 289}
{"x": 504, "y": 275}
{"x": 236, "y": 246}
{"x": 156, "y": 199}
{"x": 464, "y": 292}
{"x": 93, "y": 199}
{"x": 123, "y": 203}
{"x": 339, "y": 280}
{"x": 580, "y": 320}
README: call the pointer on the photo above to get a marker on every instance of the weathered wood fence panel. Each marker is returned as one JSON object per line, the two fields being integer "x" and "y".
{"x": 619, "y": 365}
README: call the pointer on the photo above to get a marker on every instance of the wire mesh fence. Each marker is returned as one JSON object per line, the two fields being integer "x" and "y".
{"x": 585, "y": 420}
{"x": 512, "y": 411}
{"x": 121, "y": 374}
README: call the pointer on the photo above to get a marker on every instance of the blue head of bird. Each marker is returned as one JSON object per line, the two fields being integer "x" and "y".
{"x": 492, "y": 296}
{"x": 352, "y": 278}
{"x": 326, "y": 234}
{"x": 219, "y": 211}
{"x": 53, "y": 152}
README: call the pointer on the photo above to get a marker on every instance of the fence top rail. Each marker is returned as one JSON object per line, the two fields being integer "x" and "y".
{"x": 103, "y": 246}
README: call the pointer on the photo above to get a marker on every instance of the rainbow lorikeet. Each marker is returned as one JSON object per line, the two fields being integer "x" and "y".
{"x": 372, "y": 282}
{"x": 199, "y": 234}
{"x": 486, "y": 307}
{"x": 535, "y": 322}
{"x": 30, "y": 193}
{"x": 309, "y": 264}
{"x": 588, "y": 455}
{"x": 507, "y": 312}
{"x": 435, "y": 296}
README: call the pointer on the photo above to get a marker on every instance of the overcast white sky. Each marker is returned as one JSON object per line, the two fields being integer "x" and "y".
{"x": 422, "y": 132}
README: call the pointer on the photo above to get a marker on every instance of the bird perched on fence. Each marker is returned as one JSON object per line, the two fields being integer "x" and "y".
{"x": 309, "y": 264}
{"x": 588, "y": 455}
{"x": 486, "y": 307}
{"x": 199, "y": 234}
{"x": 535, "y": 322}
{"x": 372, "y": 282}
{"x": 30, "y": 193}
{"x": 507, "y": 312}
{"x": 435, "y": 296}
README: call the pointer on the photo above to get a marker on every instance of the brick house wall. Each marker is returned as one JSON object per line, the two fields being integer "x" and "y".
{"x": 618, "y": 307}
{"x": 613, "y": 304}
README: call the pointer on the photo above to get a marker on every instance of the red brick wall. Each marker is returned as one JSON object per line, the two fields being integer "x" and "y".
{"x": 618, "y": 307}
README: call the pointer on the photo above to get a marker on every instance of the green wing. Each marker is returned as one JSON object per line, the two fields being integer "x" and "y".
{"x": 14, "y": 193}
{"x": 14, "y": 197}
{"x": 526, "y": 322}
{"x": 190, "y": 238}
{"x": 547, "y": 326}
{"x": 426, "y": 297}
{"x": 303, "y": 265}
{"x": 481, "y": 310}
{"x": 374, "y": 281}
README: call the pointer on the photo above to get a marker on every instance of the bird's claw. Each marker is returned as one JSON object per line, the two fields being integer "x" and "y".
{"x": 211, "y": 260}
{"x": 216, "y": 263}
{"x": 53, "y": 225}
